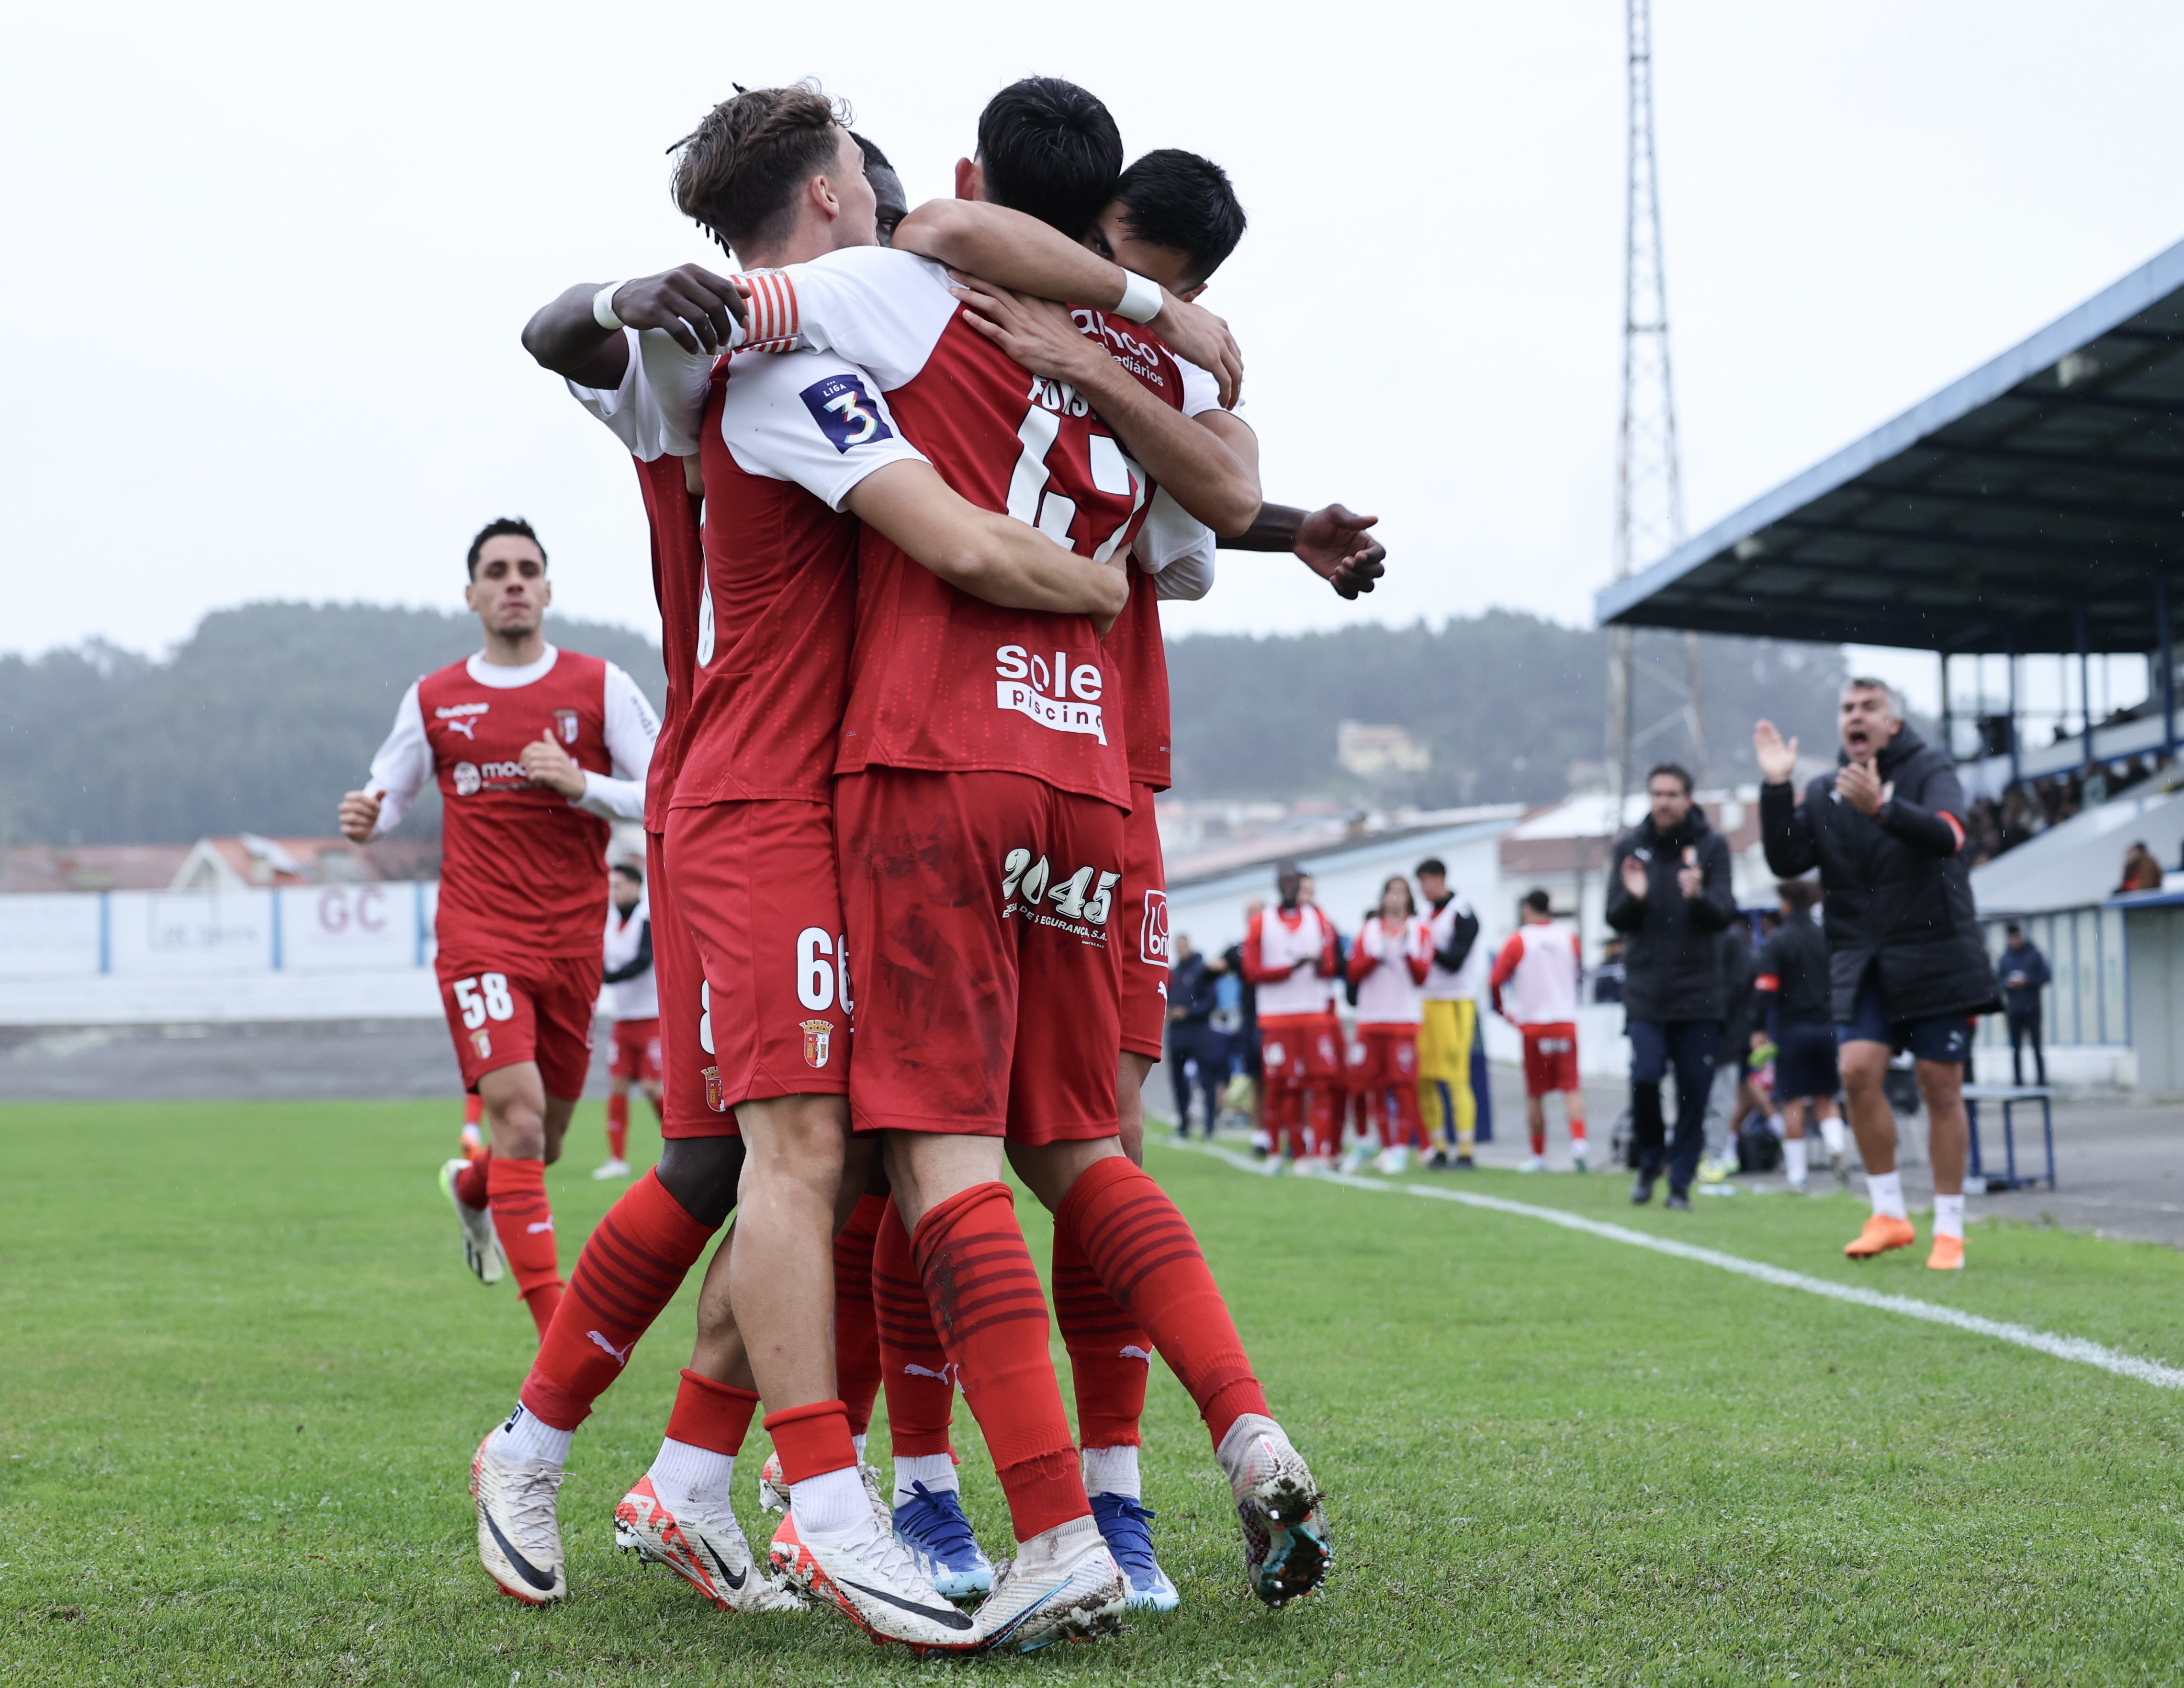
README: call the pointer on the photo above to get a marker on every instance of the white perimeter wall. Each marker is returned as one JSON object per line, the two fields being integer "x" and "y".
{"x": 336, "y": 951}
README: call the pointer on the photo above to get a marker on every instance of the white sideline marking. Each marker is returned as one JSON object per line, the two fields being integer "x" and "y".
{"x": 2072, "y": 1347}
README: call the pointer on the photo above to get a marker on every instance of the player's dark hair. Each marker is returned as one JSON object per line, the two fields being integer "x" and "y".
{"x": 1537, "y": 902}
{"x": 1181, "y": 201}
{"x": 2013, "y": 930}
{"x": 1676, "y": 770}
{"x": 1432, "y": 864}
{"x": 494, "y": 529}
{"x": 1795, "y": 895}
{"x": 738, "y": 174}
{"x": 1051, "y": 150}
{"x": 874, "y": 158}
{"x": 630, "y": 870}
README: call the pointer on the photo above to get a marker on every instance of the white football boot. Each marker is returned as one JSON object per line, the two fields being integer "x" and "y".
{"x": 1581, "y": 1155}
{"x": 1063, "y": 1585}
{"x": 614, "y": 1166}
{"x": 1534, "y": 1163}
{"x": 481, "y": 1247}
{"x": 519, "y": 1537}
{"x": 870, "y": 1578}
{"x": 707, "y": 1549}
{"x": 1287, "y": 1548}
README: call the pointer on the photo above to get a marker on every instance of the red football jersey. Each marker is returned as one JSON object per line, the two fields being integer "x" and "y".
{"x": 522, "y": 871}
{"x": 685, "y": 631}
{"x": 780, "y": 570}
{"x": 1140, "y": 662}
{"x": 941, "y": 681}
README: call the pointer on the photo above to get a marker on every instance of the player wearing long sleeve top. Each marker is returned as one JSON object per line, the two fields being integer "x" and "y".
{"x": 1388, "y": 964}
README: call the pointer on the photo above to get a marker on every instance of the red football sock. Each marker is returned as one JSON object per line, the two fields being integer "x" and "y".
{"x": 921, "y": 1389}
{"x": 1408, "y": 1129}
{"x": 1576, "y": 1121}
{"x": 1290, "y": 1114}
{"x": 618, "y": 1127}
{"x": 473, "y": 1108}
{"x": 1540, "y": 1141}
{"x": 1152, "y": 1266}
{"x": 812, "y": 1439}
{"x": 991, "y": 1312}
{"x": 631, "y": 1265}
{"x": 714, "y": 1416}
{"x": 856, "y": 1329}
{"x": 516, "y": 1191}
{"x": 1322, "y": 1133}
{"x": 1109, "y": 1354}
{"x": 470, "y": 1182}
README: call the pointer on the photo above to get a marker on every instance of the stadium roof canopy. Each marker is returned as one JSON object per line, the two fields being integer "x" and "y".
{"x": 2048, "y": 483}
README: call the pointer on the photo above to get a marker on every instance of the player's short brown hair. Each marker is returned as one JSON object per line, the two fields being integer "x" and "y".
{"x": 503, "y": 527}
{"x": 1797, "y": 895}
{"x": 738, "y": 174}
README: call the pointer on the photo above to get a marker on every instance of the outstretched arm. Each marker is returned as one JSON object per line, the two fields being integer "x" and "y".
{"x": 569, "y": 336}
{"x": 1330, "y": 541}
{"x": 982, "y": 552}
{"x": 1011, "y": 250}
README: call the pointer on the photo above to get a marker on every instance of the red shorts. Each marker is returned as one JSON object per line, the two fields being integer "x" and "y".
{"x": 1142, "y": 921}
{"x": 635, "y": 1051}
{"x": 689, "y": 1101}
{"x": 1383, "y": 1056}
{"x": 1301, "y": 1048}
{"x": 756, "y": 883}
{"x": 983, "y": 914}
{"x": 1549, "y": 1058}
{"x": 537, "y": 1009}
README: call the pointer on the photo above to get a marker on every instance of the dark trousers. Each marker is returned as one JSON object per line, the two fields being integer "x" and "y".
{"x": 1208, "y": 1050}
{"x": 2023, "y": 1023}
{"x": 1692, "y": 1047}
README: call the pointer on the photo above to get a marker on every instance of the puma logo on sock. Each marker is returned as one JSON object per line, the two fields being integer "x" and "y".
{"x": 621, "y": 1354}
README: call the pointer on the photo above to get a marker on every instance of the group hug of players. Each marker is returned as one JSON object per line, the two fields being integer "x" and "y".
{"x": 909, "y": 531}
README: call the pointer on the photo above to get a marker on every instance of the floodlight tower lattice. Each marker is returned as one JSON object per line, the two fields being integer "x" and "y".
{"x": 1649, "y": 493}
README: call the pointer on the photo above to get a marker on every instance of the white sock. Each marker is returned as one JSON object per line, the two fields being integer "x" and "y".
{"x": 831, "y": 1503}
{"x": 1886, "y": 1189}
{"x": 1063, "y": 1541}
{"x": 1831, "y": 1133}
{"x": 687, "y": 1476}
{"x": 1793, "y": 1157}
{"x": 1113, "y": 1470}
{"x": 1949, "y": 1217}
{"x": 523, "y": 1437}
{"x": 937, "y": 1472}
{"x": 1779, "y": 1126}
{"x": 858, "y": 1442}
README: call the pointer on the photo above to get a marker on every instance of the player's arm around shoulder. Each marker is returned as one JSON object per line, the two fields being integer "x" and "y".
{"x": 983, "y": 553}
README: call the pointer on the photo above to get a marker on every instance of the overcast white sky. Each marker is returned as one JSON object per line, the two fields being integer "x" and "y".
{"x": 268, "y": 264}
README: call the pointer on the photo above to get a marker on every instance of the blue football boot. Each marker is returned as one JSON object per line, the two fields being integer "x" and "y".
{"x": 939, "y": 1536}
{"x": 1128, "y": 1528}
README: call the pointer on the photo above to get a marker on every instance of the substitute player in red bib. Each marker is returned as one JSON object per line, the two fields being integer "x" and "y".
{"x": 535, "y": 750}
{"x": 1389, "y": 964}
{"x": 1535, "y": 984}
{"x": 1290, "y": 957}
{"x": 633, "y": 1007}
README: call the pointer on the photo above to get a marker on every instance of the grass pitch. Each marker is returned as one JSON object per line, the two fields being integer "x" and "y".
{"x": 242, "y": 1372}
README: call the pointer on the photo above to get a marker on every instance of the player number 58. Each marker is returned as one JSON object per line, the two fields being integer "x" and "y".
{"x": 483, "y": 999}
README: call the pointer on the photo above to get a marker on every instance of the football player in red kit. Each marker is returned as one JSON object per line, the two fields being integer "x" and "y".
{"x": 1535, "y": 984}
{"x": 535, "y": 750}
{"x": 1290, "y": 957}
{"x": 633, "y": 1006}
{"x": 1388, "y": 964}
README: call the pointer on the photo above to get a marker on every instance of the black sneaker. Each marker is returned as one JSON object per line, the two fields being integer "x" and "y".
{"x": 1642, "y": 1189}
{"x": 1678, "y": 1202}
{"x": 1463, "y": 1163}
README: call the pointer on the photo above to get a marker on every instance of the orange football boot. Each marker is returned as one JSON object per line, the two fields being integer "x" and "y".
{"x": 1881, "y": 1233}
{"x": 1948, "y": 1254}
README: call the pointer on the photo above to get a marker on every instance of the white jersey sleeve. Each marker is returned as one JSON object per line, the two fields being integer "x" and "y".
{"x": 631, "y": 728}
{"x": 1176, "y": 549}
{"x": 1200, "y": 391}
{"x": 883, "y": 309}
{"x": 813, "y": 418}
{"x": 655, "y": 411}
{"x": 404, "y": 764}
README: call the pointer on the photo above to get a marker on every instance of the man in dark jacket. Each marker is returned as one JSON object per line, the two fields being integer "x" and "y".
{"x": 1906, "y": 966}
{"x": 2024, "y": 976}
{"x": 1668, "y": 894}
{"x": 1793, "y": 1002}
{"x": 1191, "y": 999}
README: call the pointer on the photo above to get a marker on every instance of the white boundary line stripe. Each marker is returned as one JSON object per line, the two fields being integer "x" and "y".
{"x": 2072, "y": 1347}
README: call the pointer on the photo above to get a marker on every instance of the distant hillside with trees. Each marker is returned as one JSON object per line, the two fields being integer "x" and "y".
{"x": 268, "y": 713}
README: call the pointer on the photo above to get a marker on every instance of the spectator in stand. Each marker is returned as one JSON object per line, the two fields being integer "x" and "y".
{"x": 2141, "y": 872}
{"x": 2024, "y": 976}
{"x": 1458, "y": 1111}
{"x": 1668, "y": 893}
{"x": 1791, "y": 1004}
{"x": 2021, "y": 817}
{"x": 1607, "y": 977}
{"x": 1194, "y": 1048}
{"x": 1905, "y": 958}
{"x": 1388, "y": 967}
{"x": 1534, "y": 982}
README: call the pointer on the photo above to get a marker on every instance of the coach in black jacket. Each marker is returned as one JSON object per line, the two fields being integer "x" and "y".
{"x": 1906, "y": 968}
{"x": 1668, "y": 893}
